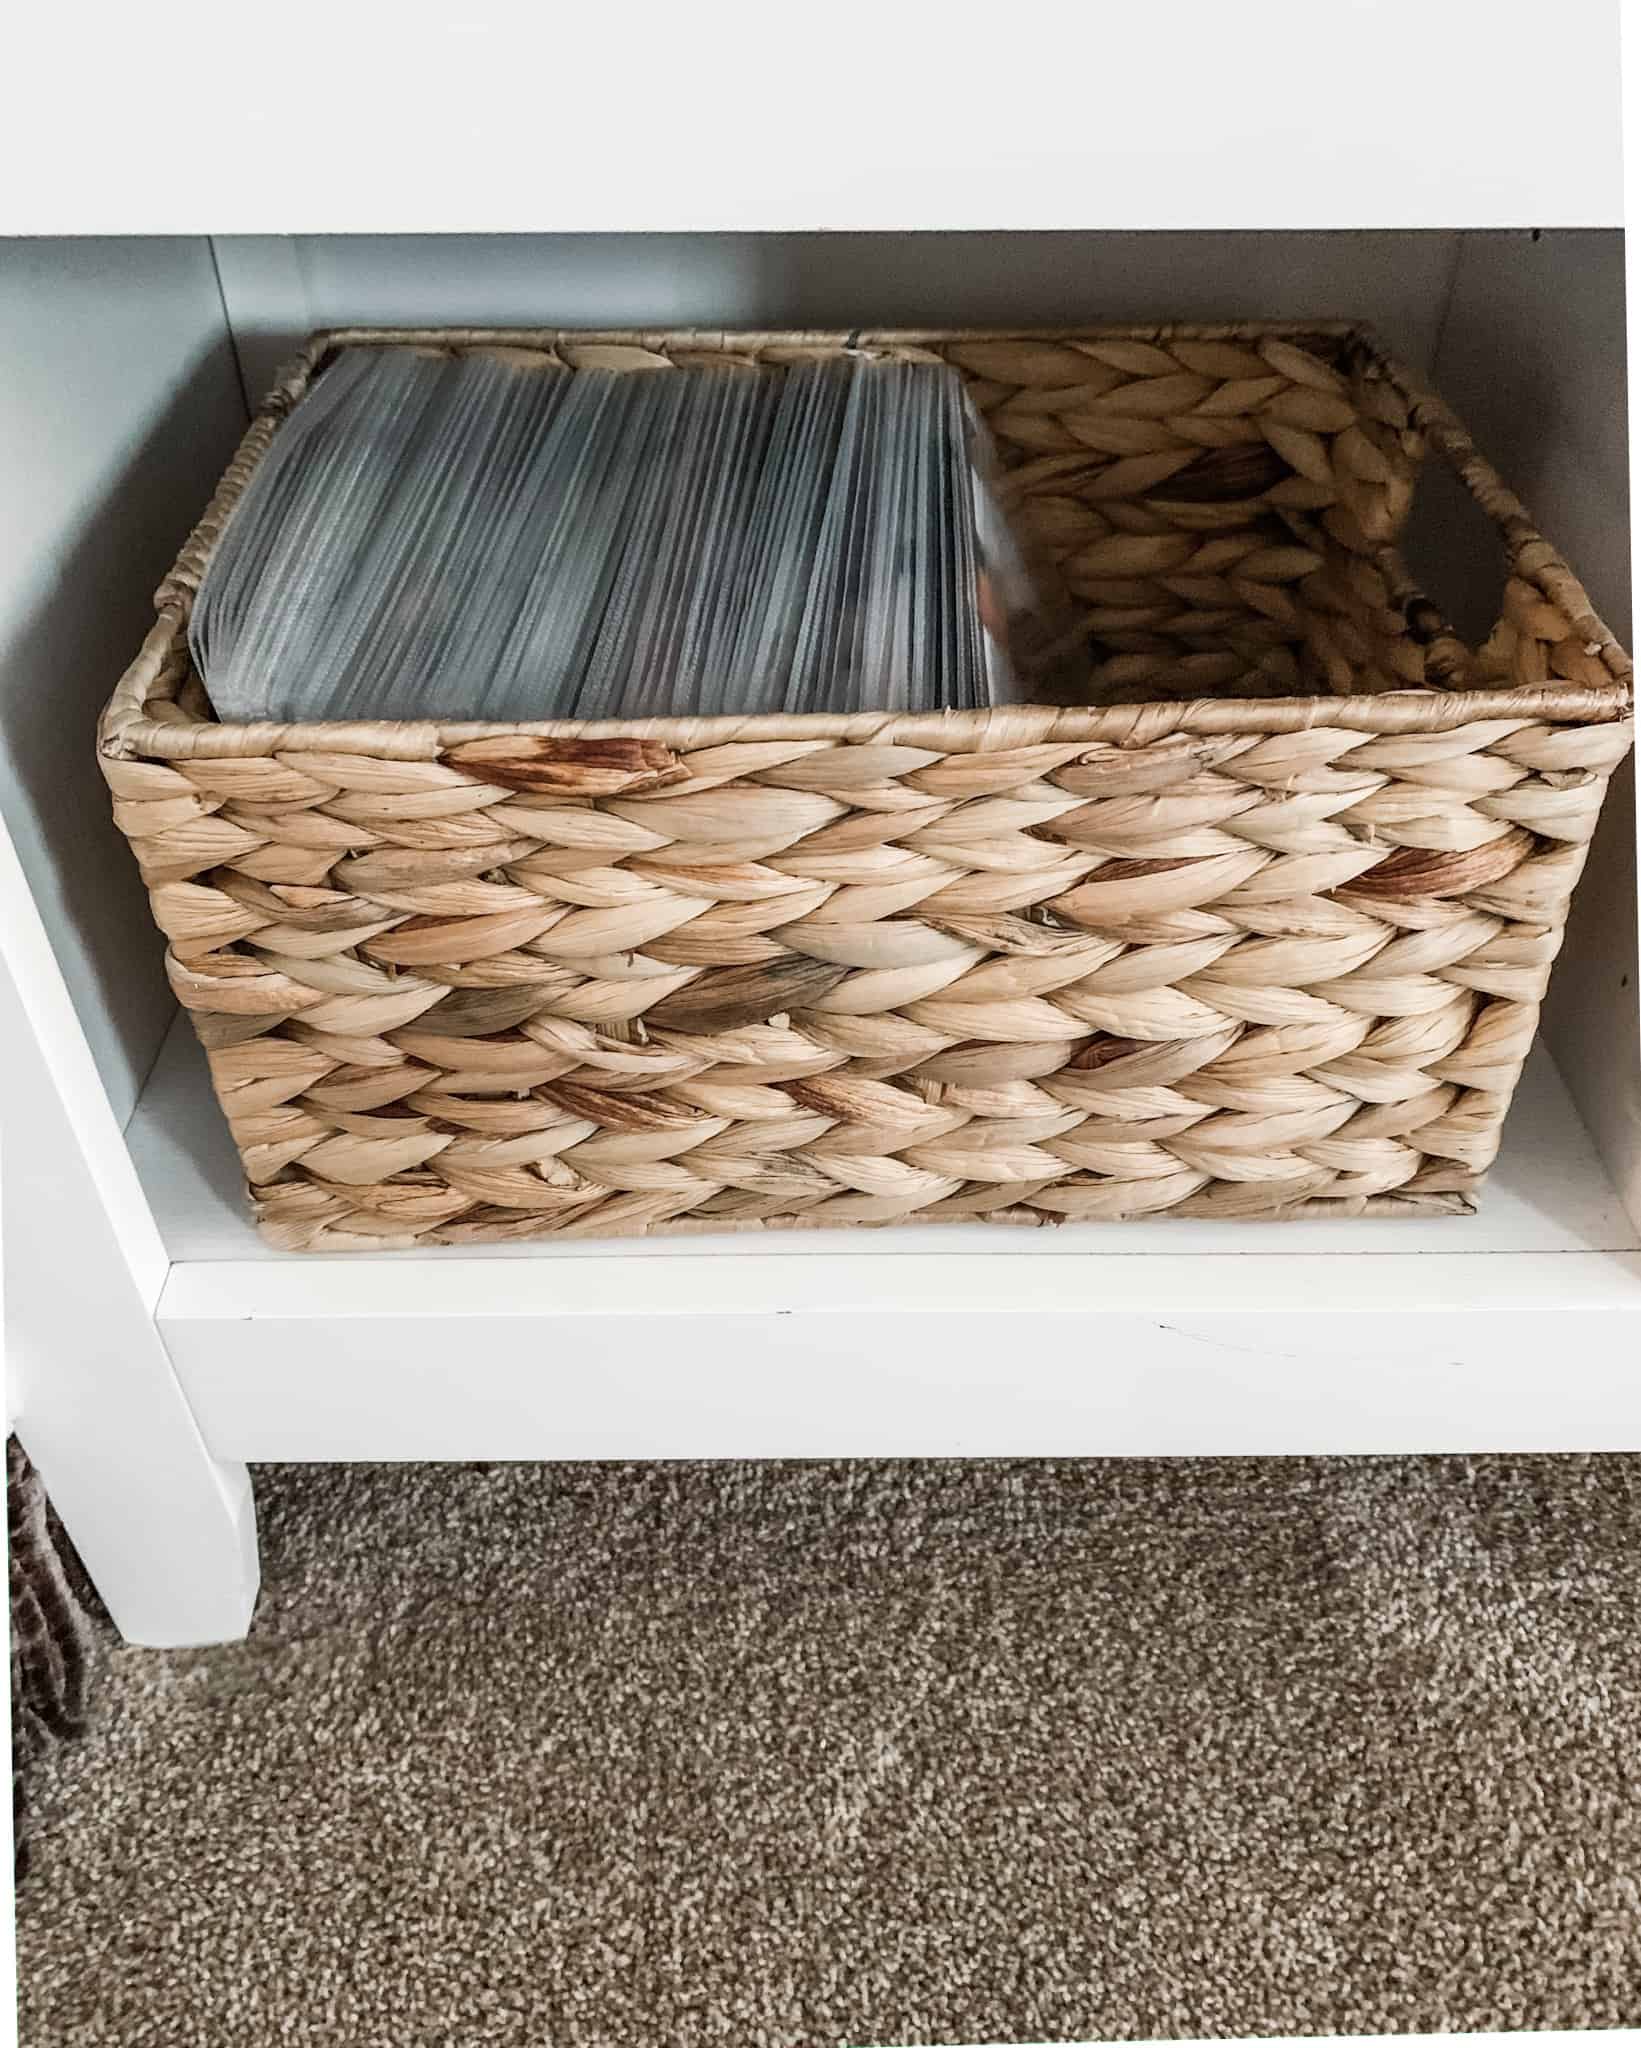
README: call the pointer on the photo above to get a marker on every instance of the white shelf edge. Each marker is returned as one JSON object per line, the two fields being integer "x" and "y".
{"x": 841, "y": 1285}
{"x": 1303, "y": 126}
{"x": 1507, "y": 1368}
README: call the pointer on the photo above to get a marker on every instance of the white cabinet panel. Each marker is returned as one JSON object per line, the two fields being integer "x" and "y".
{"x": 279, "y": 288}
{"x": 1353, "y": 113}
{"x": 118, "y": 410}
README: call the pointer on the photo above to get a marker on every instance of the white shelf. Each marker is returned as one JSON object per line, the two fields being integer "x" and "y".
{"x": 1519, "y": 1327}
{"x": 1408, "y": 113}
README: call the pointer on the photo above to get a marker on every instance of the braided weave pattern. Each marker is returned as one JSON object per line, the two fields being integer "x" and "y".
{"x": 1255, "y": 940}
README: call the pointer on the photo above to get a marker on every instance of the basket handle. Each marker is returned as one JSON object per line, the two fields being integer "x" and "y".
{"x": 1546, "y": 628}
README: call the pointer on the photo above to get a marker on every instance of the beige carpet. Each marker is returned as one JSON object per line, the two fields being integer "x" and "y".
{"x": 821, "y": 1754}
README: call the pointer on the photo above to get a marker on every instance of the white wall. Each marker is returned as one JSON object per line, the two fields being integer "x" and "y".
{"x": 118, "y": 409}
{"x": 279, "y": 288}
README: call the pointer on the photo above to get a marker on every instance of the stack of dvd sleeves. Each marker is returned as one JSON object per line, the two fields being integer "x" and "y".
{"x": 483, "y": 536}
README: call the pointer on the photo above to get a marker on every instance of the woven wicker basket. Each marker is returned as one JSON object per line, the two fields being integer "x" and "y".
{"x": 1258, "y": 929}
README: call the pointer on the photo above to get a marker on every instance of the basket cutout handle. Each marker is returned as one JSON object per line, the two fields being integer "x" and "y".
{"x": 1544, "y": 629}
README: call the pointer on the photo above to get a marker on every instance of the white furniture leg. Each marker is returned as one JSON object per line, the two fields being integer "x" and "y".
{"x": 167, "y": 1532}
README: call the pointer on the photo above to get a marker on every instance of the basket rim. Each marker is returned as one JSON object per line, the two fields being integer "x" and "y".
{"x": 144, "y": 719}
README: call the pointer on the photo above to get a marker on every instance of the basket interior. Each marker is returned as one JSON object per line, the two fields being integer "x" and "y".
{"x": 1216, "y": 518}
{"x": 1209, "y": 514}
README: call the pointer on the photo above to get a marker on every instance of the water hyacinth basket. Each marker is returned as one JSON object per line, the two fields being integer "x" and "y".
{"x": 1254, "y": 923}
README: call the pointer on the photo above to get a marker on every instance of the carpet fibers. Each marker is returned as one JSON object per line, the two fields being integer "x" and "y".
{"x": 795, "y": 1755}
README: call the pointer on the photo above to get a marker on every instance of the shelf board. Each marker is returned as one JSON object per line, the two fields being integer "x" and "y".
{"x": 1515, "y": 1328}
{"x": 1136, "y": 119}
